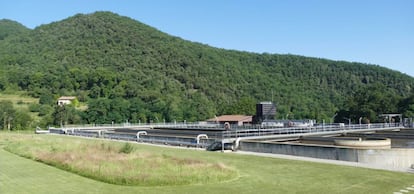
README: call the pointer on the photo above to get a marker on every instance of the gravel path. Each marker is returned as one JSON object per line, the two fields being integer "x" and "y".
{"x": 318, "y": 160}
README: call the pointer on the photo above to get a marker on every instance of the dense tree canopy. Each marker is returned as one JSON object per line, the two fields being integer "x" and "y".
{"x": 12, "y": 119}
{"x": 406, "y": 106}
{"x": 369, "y": 102}
{"x": 11, "y": 28}
{"x": 126, "y": 70}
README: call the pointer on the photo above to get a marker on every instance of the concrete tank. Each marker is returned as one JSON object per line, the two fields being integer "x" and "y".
{"x": 364, "y": 142}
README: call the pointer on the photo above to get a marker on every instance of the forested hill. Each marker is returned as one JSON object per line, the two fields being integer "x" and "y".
{"x": 9, "y": 27}
{"x": 124, "y": 69}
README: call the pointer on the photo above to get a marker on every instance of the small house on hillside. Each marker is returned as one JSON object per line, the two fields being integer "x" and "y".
{"x": 238, "y": 120}
{"x": 65, "y": 100}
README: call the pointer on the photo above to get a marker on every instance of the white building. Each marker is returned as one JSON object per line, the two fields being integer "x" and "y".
{"x": 65, "y": 100}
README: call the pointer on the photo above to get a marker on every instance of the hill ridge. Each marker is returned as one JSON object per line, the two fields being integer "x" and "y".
{"x": 117, "y": 62}
{"x": 10, "y": 27}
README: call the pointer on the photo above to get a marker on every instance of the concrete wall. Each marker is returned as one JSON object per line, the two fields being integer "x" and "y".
{"x": 313, "y": 151}
{"x": 171, "y": 140}
{"x": 175, "y": 140}
{"x": 401, "y": 158}
{"x": 398, "y": 159}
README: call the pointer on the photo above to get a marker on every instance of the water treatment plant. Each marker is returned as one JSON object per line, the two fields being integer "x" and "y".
{"x": 384, "y": 145}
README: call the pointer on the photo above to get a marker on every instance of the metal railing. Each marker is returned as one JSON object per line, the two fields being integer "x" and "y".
{"x": 253, "y": 131}
{"x": 190, "y": 125}
{"x": 304, "y": 130}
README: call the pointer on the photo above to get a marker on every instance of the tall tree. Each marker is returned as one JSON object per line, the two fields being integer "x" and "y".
{"x": 407, "y": 106}
{"x": 7, "y": 114}
{"x": 369, "y": 102}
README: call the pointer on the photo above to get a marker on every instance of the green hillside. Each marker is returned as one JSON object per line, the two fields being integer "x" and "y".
{"x": 11, "y": 28}
{"x": 126, "y": 70}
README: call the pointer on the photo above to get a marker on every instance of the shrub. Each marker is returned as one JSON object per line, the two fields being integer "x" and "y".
{"x": 34, "y": 107}
{"x": 45, "y": 110}
{"x": 126, "y": 149}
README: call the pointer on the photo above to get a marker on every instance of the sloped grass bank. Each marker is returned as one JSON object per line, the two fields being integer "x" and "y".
{"x": 117, "y": 162}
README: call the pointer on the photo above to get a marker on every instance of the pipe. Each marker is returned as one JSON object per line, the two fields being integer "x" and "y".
{"x": 201, "y": 136}
{"x": 141, "y": 133}
{"x": 236, "y": 144}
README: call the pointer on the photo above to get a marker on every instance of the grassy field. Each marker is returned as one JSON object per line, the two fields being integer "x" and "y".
{"x": 118, "y": 163}
{"x": 255, "y": 174}
{"x": 19, "y": 101}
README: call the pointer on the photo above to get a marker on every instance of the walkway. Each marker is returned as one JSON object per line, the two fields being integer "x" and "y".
{"x": 325, "y": 161}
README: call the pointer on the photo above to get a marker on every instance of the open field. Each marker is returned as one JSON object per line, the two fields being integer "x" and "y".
{"x": 255, "y": 174}
{"x": 19, "y": 101}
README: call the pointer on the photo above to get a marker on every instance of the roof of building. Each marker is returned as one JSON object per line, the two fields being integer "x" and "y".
{"x": 232, "y": 118}
{"x": 67, "y": 98}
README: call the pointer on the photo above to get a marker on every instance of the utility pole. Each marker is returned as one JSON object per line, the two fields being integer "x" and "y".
{"x": 272, "y": 96}
{"x": 9, "y": 123}
{"x": 4, "y": 120}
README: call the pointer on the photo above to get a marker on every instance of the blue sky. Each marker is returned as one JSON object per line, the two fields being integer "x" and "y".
{"x": 370, "y": 31}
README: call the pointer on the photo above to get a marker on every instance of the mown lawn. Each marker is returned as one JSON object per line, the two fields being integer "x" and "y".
{"x": 255, "y": 175}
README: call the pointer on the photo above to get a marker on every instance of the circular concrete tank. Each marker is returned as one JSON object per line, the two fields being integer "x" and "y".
{"x": 364, "y": 143}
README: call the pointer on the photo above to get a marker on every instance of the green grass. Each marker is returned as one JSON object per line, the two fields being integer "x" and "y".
{"x": 20, "y": 101}
{"x": 118, "y": 163}
{"x": 256, "y": 174}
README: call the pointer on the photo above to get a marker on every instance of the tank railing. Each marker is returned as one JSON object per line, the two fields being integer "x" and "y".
{"x": 201, "y": 125}
{"x": 149, "y": 125}
{"x": 236, "y": 131}
{"x": 302, "y": 130}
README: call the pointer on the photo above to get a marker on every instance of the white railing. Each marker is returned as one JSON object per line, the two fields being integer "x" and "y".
{"x": 149, "y": 125}
{"x": 304, "y": 130}
{"x": 236, "y": 131}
